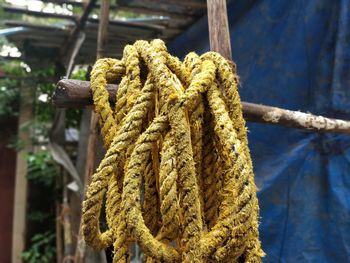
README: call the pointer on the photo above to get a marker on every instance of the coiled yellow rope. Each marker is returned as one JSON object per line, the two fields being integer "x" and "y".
{"x": 177, "y": 174}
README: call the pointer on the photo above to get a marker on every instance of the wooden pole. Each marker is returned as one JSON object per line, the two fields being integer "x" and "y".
{"x": 219, "y": 34}
{"x": 20, "y": 199}
{"x": 293, "y": 119}
{"x": 66, "y": 220}
{"x": 70, "y": 209}
{"x": 92, "y": 137}
{"x": 77, "y": 93}
{"x": 101, "y": 43}
{"x": 103, "y": 29}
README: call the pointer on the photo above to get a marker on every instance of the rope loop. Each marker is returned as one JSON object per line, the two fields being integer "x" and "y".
{"x": 177, "y": 175}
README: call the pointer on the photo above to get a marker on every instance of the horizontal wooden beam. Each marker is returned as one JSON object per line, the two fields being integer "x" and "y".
{"x": 50, "y": 28}
{"x": 76, "y": 93}
{"x": 187, "y": 3}
{"x": 155, "y": 12}
{"x": 20, "y": 10}
{"x": 294, "y": 119}
{"x": 133, "y": 9}
{"x": 131, "y": 24}
{"x": 67, "y": 2}
{"x": 75, "y": 19}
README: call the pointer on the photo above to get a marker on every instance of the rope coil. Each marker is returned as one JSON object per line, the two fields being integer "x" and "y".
{"x": 177, "y": 173}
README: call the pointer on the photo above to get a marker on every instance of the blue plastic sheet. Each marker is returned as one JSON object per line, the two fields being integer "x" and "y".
{"x": 295, "y": 55}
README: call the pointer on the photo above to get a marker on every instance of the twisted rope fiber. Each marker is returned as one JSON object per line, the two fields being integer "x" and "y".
{"x": 177, "y": 173}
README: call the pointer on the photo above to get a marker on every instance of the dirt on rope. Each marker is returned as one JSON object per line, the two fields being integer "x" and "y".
{"x": 177, "y": 176}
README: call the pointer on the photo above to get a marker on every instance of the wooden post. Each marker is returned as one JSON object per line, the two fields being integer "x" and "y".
{"x": 20, "y": 200}
{"x": 101, "y": 43}
{"x": 219, "y": 34}
{"x": 92, "y": 137}
{"x": 102, "y": 36}
{"x": 71, "y": 205}
{"x": 59, "y": 249}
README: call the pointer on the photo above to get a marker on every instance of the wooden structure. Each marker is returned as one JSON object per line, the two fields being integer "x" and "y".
{"x": 160, "y": 19}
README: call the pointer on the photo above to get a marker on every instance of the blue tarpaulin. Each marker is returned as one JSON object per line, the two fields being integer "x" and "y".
{"x": 294, "y": 55}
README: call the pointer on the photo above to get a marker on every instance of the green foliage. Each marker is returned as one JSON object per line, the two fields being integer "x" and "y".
{"x": 37, "y": 216}
{"x": 42, "y": 168}
{"x": 14, "y": 68}
{"x": 80, "y": 74}
{"x": 8, "y": 99}
{"x": 43, "y": 73}
{"x": 44, "y": 112}
{"x": 73, "y": 118}
{"x": 42, "y": 248}
{"x": 15, "y": 143}
{"x": 9, "y": 91}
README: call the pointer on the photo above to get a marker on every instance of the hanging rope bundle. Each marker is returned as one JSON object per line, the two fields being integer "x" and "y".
{"x": 177, "y": 176}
